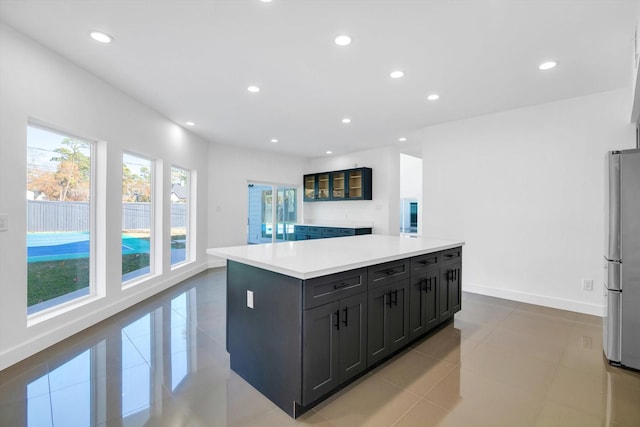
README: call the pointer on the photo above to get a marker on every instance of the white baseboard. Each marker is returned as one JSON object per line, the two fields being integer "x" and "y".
{"x": 215, "y": 262}
{"x": 562, "y": 304}
{"x": 53, "y": 336}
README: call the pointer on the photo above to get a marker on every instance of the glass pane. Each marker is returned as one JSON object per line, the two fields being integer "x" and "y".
{"x": 179, "y": 215}
{"x": 310, "y": 187}
{"x": 287, "y": 211}
{"x": 259, "y": 224}
{"x": 137, "y": 212}
{"x": 355, "y": 184}
{"x": 323, "y": 186}
{"x": 58, "y": 218}
{"x": 338, "y": 185}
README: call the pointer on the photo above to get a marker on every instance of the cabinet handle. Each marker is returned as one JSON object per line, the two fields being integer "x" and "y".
{"x": 390, "y": 272}
{"x": 395, "y": 297}
{"x": 337, "y": 325}
{"x": 428, "y": 284}
{"x": 341, "y": 285}
{"x": 389, "y": 303}
{"x": 426, "y": 261}
{"x": 346, "y": 316}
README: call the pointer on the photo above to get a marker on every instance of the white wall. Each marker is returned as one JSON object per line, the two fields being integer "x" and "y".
{"x": 382, "y": 212}
{"x": 411, "y": 184}
{"x": 525, "y": 190}
{"x": 230, "y": 171}
{"x": 36, "y": 83}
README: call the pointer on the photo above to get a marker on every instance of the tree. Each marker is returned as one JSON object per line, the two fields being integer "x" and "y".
{"x": 74, "y": 169}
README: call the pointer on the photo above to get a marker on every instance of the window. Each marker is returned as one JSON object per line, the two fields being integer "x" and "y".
{"x": 60, "y": 206}
{"x": 137, "y": 216}
{"x": 263, "y": 208}
{"x": 180, "y": 182}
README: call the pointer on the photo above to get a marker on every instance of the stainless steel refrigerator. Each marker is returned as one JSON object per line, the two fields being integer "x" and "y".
{"x": 622, "y": 261}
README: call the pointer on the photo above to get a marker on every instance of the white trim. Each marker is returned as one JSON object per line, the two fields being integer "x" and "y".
{"x": 544, "y": 300}
{"x": 76, "y": 323}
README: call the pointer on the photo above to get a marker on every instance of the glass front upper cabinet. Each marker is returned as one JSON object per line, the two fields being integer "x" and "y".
{"x": 349, "y": 184}
{"x": 337, "y": 182}
{"x": 355, "y": 184}
{"x": 310, "y": 187}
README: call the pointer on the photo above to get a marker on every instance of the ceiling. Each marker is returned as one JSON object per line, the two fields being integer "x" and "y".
{"x": 193, "y": 61}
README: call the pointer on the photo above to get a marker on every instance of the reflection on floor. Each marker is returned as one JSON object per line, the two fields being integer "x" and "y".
{"x": 163, "y": 363}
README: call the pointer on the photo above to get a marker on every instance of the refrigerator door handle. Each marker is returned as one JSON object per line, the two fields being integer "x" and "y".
{"x": 614, "y": 270}
{"x": 614, "y": 207}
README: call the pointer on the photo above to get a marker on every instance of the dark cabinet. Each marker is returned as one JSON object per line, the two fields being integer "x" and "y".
{"x": 424, "y": 313}
{"x": 388, "y": 320}
{"x": 334, "y": 337}
{"x": 309, "y": 232}
{"x": 350, "y": 184}
{"x": 449, "y": 290}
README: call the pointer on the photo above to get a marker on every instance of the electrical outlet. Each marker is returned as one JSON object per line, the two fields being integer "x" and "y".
{"x": 250, "y": 299}
{"x": 4, "y": 222}
{"x": 587, "y": 285}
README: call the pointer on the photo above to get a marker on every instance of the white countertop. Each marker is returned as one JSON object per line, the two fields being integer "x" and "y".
{"x": 306, "y": 259}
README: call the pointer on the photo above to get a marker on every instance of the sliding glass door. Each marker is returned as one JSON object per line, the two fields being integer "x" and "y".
{"x": 271, "y": 219}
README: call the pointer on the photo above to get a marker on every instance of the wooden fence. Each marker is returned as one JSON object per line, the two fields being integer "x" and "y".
{"x": 74, "y": 216}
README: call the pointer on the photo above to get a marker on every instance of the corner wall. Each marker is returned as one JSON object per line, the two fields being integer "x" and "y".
{"x": 525, "y": 189}
{"x": 36, "y": 83}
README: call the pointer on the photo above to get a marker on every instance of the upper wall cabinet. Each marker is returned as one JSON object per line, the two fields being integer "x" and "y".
{"x": 350, "y": 184}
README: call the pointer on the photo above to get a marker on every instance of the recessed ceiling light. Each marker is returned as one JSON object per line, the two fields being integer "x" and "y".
{"x": 346, "y": 120}
{"x": 253, "y": 89}
{"x": 274, "y": 140}
{"x": 101, "y": 37}
{"x": 547, "y": 65}
{"x": 402, "y": 139}
{"x": 329, "y": 152}
{"x": 190, "y": 123}
{"x": 266, "y": 1}
{"x": 343, "y": 40}
{"x": 433, "y": 97}
{"x": 396, "y": 74}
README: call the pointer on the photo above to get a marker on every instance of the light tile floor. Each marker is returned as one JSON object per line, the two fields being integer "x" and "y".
{"x": 163, "y": 363}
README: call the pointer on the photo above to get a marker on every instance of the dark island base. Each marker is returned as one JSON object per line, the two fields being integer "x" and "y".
{"x": 347, "y": 323}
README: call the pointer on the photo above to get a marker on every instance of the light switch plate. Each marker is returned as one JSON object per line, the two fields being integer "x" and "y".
{"x": 250, "y": 299}
{"x": 4, "y": 222}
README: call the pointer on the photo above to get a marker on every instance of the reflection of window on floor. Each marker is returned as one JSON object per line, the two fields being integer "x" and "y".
{"x": 59, "y": 220}
{"x": 180, "y": 199}
{"x": 137, "y": 216}
{"x": 179, "y": 355}
{"x": 64, "y": 396}
{"x": 136, "y": 371}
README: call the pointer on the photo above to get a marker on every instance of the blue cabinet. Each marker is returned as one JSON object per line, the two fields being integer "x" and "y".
{"x": 308, "y": 232}
{"x": 349, "y": 184}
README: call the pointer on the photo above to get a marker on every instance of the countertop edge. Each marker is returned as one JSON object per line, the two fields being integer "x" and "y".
{"x": 332, "y": 270}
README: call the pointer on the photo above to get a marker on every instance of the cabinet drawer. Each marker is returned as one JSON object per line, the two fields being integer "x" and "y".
{"x": 388, "y": 272}
{"x": 346, "y": 231}
{"x": 328, "y": 232}
{"x": 425, "y": 262}
{"x": 330, "y": 288}
{"x": 451, "y": 255}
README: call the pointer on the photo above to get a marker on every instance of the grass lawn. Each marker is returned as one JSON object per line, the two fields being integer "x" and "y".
{"x": 50, "y": 279}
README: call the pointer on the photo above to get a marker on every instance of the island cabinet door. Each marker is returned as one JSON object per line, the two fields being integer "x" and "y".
{"x": 423, "y": 303}
{"x": 450, "y": 290}
{"x": 353, "y": 336}
{"x": 388, "y": 320}
{"x": 320, "y": 351}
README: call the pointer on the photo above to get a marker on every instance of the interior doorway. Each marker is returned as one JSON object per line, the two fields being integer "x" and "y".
{"x": 410, "y": 194}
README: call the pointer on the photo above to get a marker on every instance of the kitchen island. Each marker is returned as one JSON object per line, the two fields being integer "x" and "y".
{"x": 305, "y": 318}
